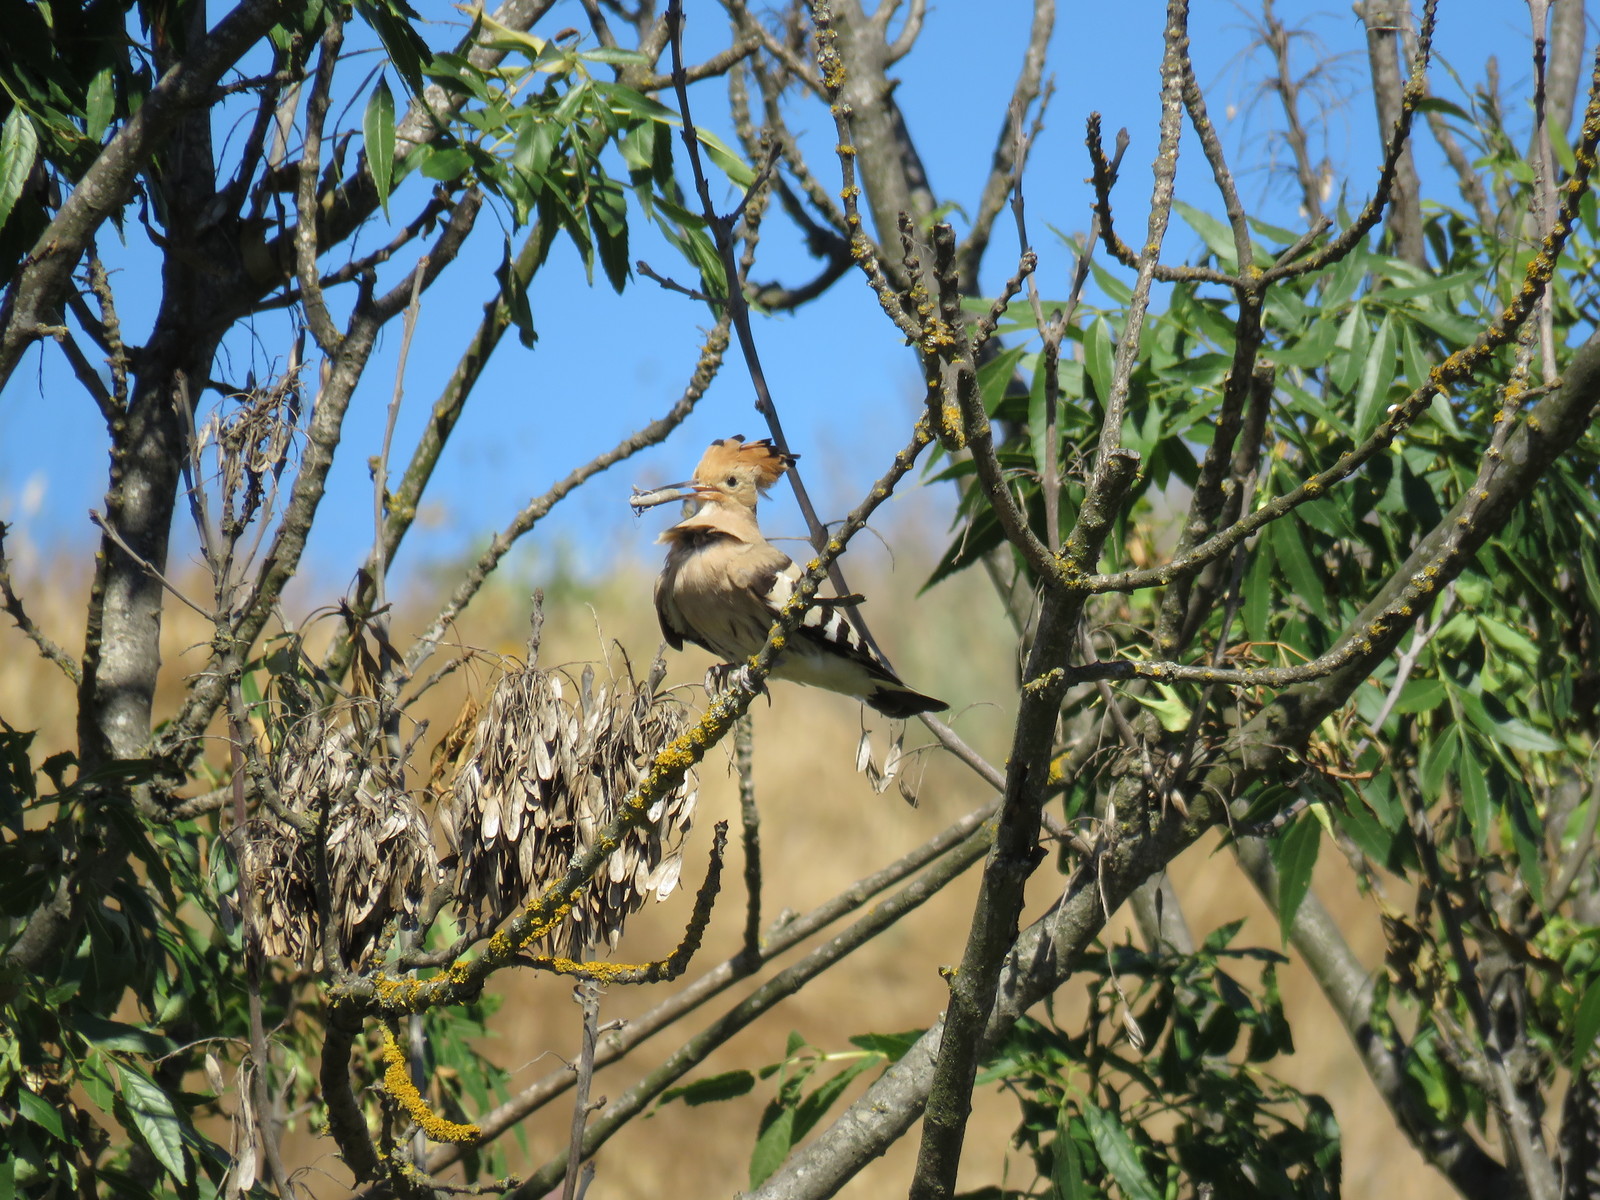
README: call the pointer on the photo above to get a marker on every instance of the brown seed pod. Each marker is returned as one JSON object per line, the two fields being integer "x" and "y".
{"x": 378, "y": 850}
{"x": 550, "y": 763}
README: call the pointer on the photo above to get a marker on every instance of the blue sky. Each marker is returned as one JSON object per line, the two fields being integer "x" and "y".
{"x": 846, "y": 386}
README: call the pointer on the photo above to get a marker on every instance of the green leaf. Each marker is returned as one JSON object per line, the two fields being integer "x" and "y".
{"x": 1457, "y": 330}
{"x": 1430, "y": 286}
{"x": 1417, "y": 368}
{"x": 1117, "y": 290}
{"x": 126, "y": 1039}
{"x": 773, "y": 1143}
{"x": 626, "y": 101}
{"x": 1438, "y": 757}
{"x": 1328, "y": 517}
{"x": 41, "y": 1112}
{"x": 1066, "y": 1173}
{"x": 734, "y": 167}
{"x": 377, "y": 126}
{"x": 447, "y": 165}
{"x": 1284, "y": 237}
{"x": 102, "y": 104}
{"x": 1172, "y": 712}
{"x": 1037, "y": 420}
{"x": 1354, "y": 340}
{"x": 1502, "y": 728}
{"x": 709, "y": 1091}
{"x": 1216, "y": 234}
{"x": 406, "y": 48}
{"x": 608, "y": 217}
{"x": 1449, "y": 109}
{"x": 1312, "y": 346}
{"x": 18, "y": 145}
{"x": 994, "y": 376}
{"x": 1259, "y": 590}
{"x": 892, "y": 1046}
{"x": 1377, "y": 373}
{"x": 1586, "y": 1025}
{"x": 1420, "y": 695}
{"x": 614, "y": 56}
{"x": 1513, "y": 641}
{"x": 1287, "y": 537}
{"x": 1118, "y": 1153}
{"x": 1295, "y": 852}
{"x": 156, "y": 1122}
{"x": 1098, "y": 357}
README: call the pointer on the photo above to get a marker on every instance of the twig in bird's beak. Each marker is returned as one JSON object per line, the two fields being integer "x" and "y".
{"x": 640, "y": 501}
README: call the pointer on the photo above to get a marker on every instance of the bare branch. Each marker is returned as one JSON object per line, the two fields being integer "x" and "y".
{"x": 306, "y": 198}
{"x": 12, "y": 604}
{"x": 1010, "y": 152}
{"x": 750, "y": 822}
{"x": 1384, "y": 20}
{"x": 909, "y": 32}
{"x": 145, "y": 564}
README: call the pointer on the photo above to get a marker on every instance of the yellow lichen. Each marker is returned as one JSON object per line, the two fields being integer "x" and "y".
{"x": 397, "y": 1082}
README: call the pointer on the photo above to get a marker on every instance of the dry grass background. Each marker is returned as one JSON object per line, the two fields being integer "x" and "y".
{"x": 822, "y": 828}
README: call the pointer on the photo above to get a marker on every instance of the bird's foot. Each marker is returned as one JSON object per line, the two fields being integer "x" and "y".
{"x": 717, "y": 677}
{"x": 723, "y": 676}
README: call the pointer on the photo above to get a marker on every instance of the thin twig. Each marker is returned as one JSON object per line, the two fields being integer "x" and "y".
{"x": 380, "y": 481}
{"x": 144, "y": 564}
{"x": 13, "y": 606}
{"x": 1051, "y": 332}
{"x": 305, "y": 234}
{"x": 1544, "y": 184}
{"x": 587, "y": 994}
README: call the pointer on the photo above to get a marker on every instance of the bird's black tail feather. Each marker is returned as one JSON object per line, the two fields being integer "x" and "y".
{"x": 902, "y": 703}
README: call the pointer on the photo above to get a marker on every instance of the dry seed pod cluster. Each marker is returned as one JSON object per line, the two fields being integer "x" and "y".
{"x": 279, "y": 888}
{"x": 254, "y": 441}
{"x": 545, "y": 774}
{"x": 380, "y": 856}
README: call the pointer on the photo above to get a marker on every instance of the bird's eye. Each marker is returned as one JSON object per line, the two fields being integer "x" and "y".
{"x": 733, "y": 481}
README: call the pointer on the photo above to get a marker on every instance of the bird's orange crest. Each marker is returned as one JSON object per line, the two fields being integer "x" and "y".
{"x": 725, "y": 454}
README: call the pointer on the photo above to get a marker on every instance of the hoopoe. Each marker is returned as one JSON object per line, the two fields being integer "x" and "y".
{"x": 724, "y": 584}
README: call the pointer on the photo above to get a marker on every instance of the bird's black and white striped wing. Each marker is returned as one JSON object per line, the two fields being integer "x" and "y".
{"x": 825, "y": 629}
